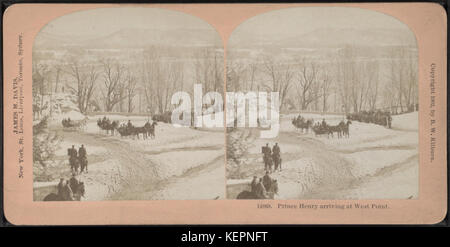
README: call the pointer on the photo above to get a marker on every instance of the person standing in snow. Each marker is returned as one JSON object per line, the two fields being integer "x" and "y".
{"x": 82, "y": 156}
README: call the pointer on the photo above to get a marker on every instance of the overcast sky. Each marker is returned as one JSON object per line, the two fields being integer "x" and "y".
{"x": 296, "y": 21}
{"x": 277, "y": 24}
{"x": 104, "y": 21}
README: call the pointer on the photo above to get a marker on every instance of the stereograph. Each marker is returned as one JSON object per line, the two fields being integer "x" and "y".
{"x": 225, "y": 113}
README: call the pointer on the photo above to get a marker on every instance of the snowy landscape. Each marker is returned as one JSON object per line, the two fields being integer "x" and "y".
{"x": 97, "y": 82}
{"x": 348, "y": 104}
{"x": 373, "y": 163}
{"x": 138, "y": 169}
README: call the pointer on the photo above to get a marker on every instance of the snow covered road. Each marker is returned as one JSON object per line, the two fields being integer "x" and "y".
{"x": 167, "y": 167}
{"x": 373, "y": 163}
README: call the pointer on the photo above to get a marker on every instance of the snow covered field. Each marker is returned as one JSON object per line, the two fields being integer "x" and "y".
{"x": 166, "y": 167}
{"x": 375, "y": 162}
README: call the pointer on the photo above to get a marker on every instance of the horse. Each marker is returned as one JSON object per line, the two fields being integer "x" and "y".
{"x": 110, "y": 127}
{"x": 74, "y": 164}
{"x": 334, "y": 128}
{"x": 150, "y": 129}
{"x": 139, "y": 130}
{"x": 77, "y": 194}
{"x": 83, "y": 164}
{"x": 247, "y": 195}
{"x": 276, "y": 158}
{"x": 268, "y": 163}
{"x": 270, "y": 192}
{"x": 301, "y": 124}
{"x": 345, "y": 129}
{"x": 80, "y": 124}
{"x": 106, "y": 124}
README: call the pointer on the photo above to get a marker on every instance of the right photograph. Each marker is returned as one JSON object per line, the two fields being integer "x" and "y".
{"x": 347, "y": 85}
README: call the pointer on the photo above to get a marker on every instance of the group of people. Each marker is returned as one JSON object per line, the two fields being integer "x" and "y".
{"x": 271, "y": 157}
{"x": 379, "y": 117}
{"x": 68, "y": 190}
{"x": 107, "y": 125}
{"x": 69, "y": 123}
{"x": 302, "y": 123}
{"x": 78, "y": 159}
{"x": 128, "y": 129}
{"x": 261, "y": 186}
{"x": 342, "y": 129}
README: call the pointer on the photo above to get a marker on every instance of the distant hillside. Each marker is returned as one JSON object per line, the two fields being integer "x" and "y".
{"x": 330, "y": 38}
{"x": 132, "y": 38}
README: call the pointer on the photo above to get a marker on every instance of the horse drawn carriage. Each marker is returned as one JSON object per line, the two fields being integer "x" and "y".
{"x": 148, "y": 130}
{"x": 74, "y": 124}
{"x": 302, "y": 124}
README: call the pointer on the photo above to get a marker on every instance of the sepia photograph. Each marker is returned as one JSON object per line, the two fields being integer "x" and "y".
{"x": 347, "y": 84}
{"x": 103, "y": 81}
{"x": 224, "y": 114}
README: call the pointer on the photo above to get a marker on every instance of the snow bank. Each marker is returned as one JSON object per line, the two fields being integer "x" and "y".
{"x": 176, "y": 163}
{"x": 104, "y": 178}
{"x": 374, "y": 162}
{"x": 61, "y": 106}
{"x": 64, "y": 145}
{"x": 408, "y": 121}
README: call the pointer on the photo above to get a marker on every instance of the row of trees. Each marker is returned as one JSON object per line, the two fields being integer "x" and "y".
{"x": 107, "y": 84}
{"x": 345, "y": 83}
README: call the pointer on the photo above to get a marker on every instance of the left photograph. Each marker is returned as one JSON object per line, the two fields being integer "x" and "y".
{"x": 103, "y": 81}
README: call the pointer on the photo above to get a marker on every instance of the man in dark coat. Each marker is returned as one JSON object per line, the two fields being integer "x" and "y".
{"x": 82, "y": 155}
{"x": 267, "y": 156}
{"x": 324, "y": 124}
{"x": 129, "y": 124}
{"x": 61, "y": 185}
{"x": 67, "y": 194}
{"x": 276, "y": 156}
{"x": 260, "y": 190}
{"x": 73, "y": 152}
{"x": 389, "y": 120}
{"x": 254, "y": 184}
{"x": 276, "y": 149}
{"x": 82, "y": 151}
{"x": 267, "y": 180}
{"x": 73, "y": 182}
{"x": 73, "y": 156}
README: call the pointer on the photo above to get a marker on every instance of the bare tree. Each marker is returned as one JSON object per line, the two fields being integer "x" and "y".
{"x": 307, "y": 86}
{"x": 403, "y": 77}
{"x": 85, "y": 82}
{"x": 150, "y": 71}
{"x": 130, "y": 90}
{"x": 279, "y": 78}
{"x": 209, "y": 70}
{"x": 325, "y": 87}
{"x": 113, "y": 77}
{"x": 372, "y": 75}
{"x": 161, "y": 77}
{"x": 41, "y": 81}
